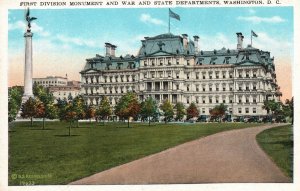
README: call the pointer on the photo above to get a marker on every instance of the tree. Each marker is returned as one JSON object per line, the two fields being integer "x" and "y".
{"x": 14, "y": 101}
{"x": 218, "y": 111}
{"x": 104, "y": 110}
{"x": 61, "y": 106}
{"x": 272, "y": 106}
{"x": 128, "y": 106}
{"x": 167, "y": 109}
{"x": 90, "y": 112}
{"x": 180, "y": 111}
{"x": 192, "y": 111}
{"x": 290, "y": 108}
{"x": 50, "y": 110}
{"x": 32, "y": 108}
{"x": 78, "y": 108}
{"x": 149, "y": 108}
{"x": 70, "y": 115}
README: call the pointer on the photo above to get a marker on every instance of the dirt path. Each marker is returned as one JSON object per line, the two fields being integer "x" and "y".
{"x": 232, "y": 156}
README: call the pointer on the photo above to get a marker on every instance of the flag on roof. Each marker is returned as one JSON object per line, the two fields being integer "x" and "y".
{"x": 254, "y": 34}
{"x": 174, "y": 15}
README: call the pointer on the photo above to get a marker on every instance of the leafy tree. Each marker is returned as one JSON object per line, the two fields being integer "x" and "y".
{"x": 180, "y": 111}
{"x": 167, "y": 109}
{"x": 149, "y": 108}
{"x": 70, "y": 115}
{"x": 50, "y": 110}
{"x": 14, "y": 101}
{"x": 104, "y": 110}
{"x": 61, "y": 106}
{"x": 90, "y": 112}
{"x": 272, "y": 106}
{"x": 192, "y": 111}
{"x": 290, "y": 108}
{"x": 32, "y": 108}
{"x": 218, "y": 111}
{"x": 128, "y": 106}
{"x": 78, "y": 108}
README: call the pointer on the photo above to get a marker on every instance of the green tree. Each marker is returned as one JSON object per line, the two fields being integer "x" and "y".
{"x": 272, "y": 107}
{"x": 78, "y": 108}
{"x": 32, "y": 108}
{"x": 128, "y": 106}
{"x": 149, "y": 108}
{"x": 90, "y": 112}
{"x": 46, "y": 97}
{"x": 290, "y": 108}
{"x": 192, "y": 111}
{"x": 104, "y": 110}
{"x": 180, "y": 111}
{"x": 167, "y": 109}
{"x": 70, "y": 115}
{"x": 219, "y": 111}
{"x": 14, "y": 101}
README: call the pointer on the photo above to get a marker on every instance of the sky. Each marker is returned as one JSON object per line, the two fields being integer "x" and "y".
{"x": 64, "y": 38}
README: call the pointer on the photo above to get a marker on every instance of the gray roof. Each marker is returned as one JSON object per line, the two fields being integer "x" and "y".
{"x": 169, "y": 44}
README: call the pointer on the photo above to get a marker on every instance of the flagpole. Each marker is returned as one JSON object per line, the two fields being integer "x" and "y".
{"x": 169, "y": 20}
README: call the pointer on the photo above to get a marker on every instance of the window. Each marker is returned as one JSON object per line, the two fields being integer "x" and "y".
{"x": 153, "y": 63}
{"x": 203, "y": 110}
{"x": 145, "y": 75}
{"x": 177, "y": 61}
{"x": 217, "y": 89}
{"x": 230, "y": 75}
{"x": 240, "y": 74}
{"x": 247, "y": 110}
{"x": 240, "y": 99}
{"x": 254, "y": 99}
{"x": 240, "y": 110}
{"x": 188, "y": 62}
{"x": 224, "y": 101}
{"x": 160, "y": 74}
{"x": 197, "y": 75}
{"x": 217, "y": 100}
{"x": 210, "y": 75}
{"x": 197, "y": 88}
{"x": 247, "y": 87}
{"x": 230, "y": 100}
{"x": 210, "y": 88}
{"x": 247, "y": 74}
{"x": 247, "y": 100}
{"x": 210, "y": 100}
{"x": 145, "y": 63}
{"x": 224, "y": 75}
{"x": 152, "y": 74}
{"x": 254, "y": 74}
{"x": 188, "y": 76}
{"x": 254, "y": 110}
{"x": 169, "y": 62}
{"x": 254, "y": 87}
{"x": 161, "y": 62}
{"x": 203, "y": 89}
{"x": 169, "y": 74}
{"x": 240, "y": 87}
{"x": 203, "y": 100}
{"x": 177, "y": 75}
{"x": 177, "y": 87}
{"x": 197, "y": 100}
{"x": 203, "y": 76}
{"x": 188, "y": 88}
{"x": 217, "y": 75}
{"x": 224, "y": 88}
{"x": 187, "y": 100}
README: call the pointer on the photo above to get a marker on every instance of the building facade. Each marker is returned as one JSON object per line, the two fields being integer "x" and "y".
{"x": 59, "y": 86}
{"x": 174, "y": 67}
{"x": 51, "y": 81}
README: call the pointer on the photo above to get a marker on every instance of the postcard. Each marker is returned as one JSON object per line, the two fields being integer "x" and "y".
{"x": 149, "y": 95}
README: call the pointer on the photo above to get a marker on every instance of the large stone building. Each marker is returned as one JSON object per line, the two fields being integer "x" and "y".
{"x": 174, "y": 67}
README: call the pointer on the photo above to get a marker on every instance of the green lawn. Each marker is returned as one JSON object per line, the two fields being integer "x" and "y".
{"x": 48, "y": 156}
{"x": 278, "y": 144}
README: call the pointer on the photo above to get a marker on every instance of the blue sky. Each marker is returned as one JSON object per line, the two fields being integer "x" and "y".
{"x": 64, "y": 38}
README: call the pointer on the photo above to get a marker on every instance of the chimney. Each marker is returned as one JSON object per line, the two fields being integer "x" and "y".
{"x": 240, "y": 39}
{"x": 113, "y": 50}
{"x": 196, "y": 43}
{"x": 108, "y": 49}
{"x": 185, "y": 41}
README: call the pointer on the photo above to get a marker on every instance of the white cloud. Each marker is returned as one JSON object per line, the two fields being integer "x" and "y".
{"x": 146, "y": 18}
{"x": 21, "y": 25}
{"x": 76, "y": 41}
{"x": 258, "y": 20}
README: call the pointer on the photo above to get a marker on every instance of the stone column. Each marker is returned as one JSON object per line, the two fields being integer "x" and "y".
{"x": 28, "y": 67}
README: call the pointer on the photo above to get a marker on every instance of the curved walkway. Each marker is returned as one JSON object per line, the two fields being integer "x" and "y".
{"x": 231, "y": 156}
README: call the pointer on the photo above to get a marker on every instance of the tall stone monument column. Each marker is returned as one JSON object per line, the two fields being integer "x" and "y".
{"x": 28, "y": 60}
{"x": 28, "y": 67}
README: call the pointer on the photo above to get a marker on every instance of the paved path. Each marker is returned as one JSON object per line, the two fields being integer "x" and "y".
{"x": 232, "y": 156}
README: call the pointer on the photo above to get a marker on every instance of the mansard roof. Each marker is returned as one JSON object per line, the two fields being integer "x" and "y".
{"x": 169, "y": 44}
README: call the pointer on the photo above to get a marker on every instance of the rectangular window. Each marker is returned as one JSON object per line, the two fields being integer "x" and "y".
{"x": 177, "y": 61}
{"x": 240, "y": 110}
{"x": 210, "y": 100}
{"x": 177, "y": 75}
{"x": 254, "y": 110}
{"x": 203, "y": 110}
{"x": 197, "y": 75}
{"x": 247, "y": 110}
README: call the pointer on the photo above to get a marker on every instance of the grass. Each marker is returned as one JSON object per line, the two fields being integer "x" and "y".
{"x": 51, "y": 157}
{"x": 278, "y": 144}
